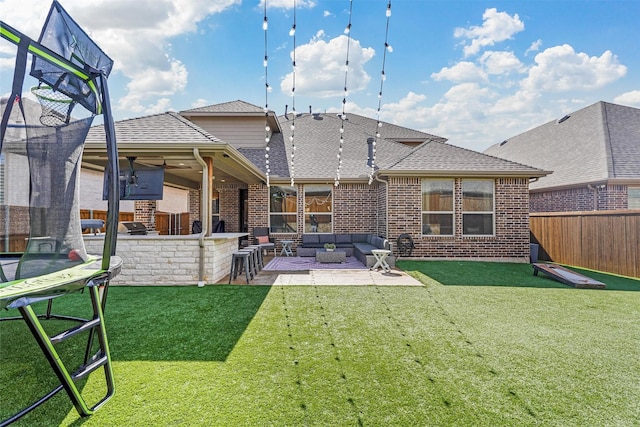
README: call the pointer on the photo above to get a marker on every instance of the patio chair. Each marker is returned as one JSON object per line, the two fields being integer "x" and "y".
{"x": 261, "y": 237}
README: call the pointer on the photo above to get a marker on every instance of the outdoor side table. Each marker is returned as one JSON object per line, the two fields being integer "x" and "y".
{"x": 286, "y": 247}
{"x": 336, "y": 256}
{"x": 381, "y": 259}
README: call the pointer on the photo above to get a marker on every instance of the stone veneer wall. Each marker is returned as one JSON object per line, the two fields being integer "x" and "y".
{"x": 610, "y": 197}
{"x": 511, "y": 240}
{"x": 167, "y": 260}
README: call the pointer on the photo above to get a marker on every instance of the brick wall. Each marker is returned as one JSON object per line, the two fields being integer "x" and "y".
{"x": 355, "y": 210}
{"x": 230, "y": 206}
{"x": 194, "y": 206}
{"x": 607, "y": 197}
{"x": 511, "y": 239}
{"x": 145, "y": 212}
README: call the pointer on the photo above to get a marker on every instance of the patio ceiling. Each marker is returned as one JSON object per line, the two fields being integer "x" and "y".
{"x": 182, "y": 168}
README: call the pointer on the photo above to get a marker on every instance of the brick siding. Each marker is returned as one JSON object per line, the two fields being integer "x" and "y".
{"x": 511, "y": 239}
{"x": 609, "y": 197}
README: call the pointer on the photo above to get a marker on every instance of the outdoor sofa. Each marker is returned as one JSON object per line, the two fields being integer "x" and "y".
{"x": 359, "y": 245}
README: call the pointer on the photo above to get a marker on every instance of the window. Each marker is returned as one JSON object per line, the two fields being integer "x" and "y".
{"x": 215, "y": 207}
{"x": 633, "y": 197}
{"x": 283, "y": 208}
{"x": 318, "y": 209}
{"x": 437, "y": 207}
{"x": 477, "y": 207}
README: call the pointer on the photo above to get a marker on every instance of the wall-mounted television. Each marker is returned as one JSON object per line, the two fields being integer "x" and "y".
{"x": 137, "y": 182}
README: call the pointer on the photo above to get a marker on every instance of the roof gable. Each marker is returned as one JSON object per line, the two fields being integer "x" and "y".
{"x": 235, "y": 107}
{"x": 439, "y": 158}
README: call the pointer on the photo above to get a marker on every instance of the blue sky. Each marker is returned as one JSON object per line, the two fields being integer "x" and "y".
{"x": 476, "y": 72}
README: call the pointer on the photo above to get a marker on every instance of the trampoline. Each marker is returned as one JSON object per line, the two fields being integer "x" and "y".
{"x": 42, "y": 253}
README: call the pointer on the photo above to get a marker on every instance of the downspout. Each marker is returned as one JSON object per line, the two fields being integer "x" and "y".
{"x": 386, "y": 208}
{"x": 595, "y": 195}
{"x": 204, "y": 211}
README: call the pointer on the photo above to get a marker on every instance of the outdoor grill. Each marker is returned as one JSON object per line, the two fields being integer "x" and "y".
{"x": 133, "y": 228}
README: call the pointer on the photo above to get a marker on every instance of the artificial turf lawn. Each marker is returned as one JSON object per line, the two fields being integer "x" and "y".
{"x": 346, "y": 355}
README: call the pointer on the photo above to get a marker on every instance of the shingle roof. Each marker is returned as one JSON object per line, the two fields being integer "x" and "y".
{"x": 436, "y": 157}
{"x": 165, "y": 128}
{"x": 317, "y": 139}
{"x": 237, "y": 107}
{"x": 596, "y": 143}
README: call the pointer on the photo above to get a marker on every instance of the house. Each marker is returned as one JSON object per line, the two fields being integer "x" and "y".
{"x": 594, "y": 154}
{"x": 323, "y": 173}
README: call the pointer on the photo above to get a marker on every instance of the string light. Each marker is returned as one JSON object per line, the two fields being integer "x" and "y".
{"x": 383, "y": 77}
{"x": 343, "y": 116}
{"x": 292, "y": 33}
{"x": 267, "y": 89}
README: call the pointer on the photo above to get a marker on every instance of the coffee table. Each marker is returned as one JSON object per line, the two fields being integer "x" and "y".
{"x": 335, "y": 256}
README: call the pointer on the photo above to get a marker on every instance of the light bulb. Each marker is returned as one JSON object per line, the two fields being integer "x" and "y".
{"x": 292, "y": 31}
{"x": 267, "y": 128}
{"x": 265, "y": 24}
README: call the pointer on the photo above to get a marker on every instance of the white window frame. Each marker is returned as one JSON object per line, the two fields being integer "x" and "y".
{"x": 323, "y": 213}
{"x": 633, "y": 202}
{"x": 452, "y": 211}
{"x": 491, "y": 212}
{"x": 295, "y": 214}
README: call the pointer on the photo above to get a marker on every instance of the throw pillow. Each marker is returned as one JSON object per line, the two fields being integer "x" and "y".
{"x": 263, "y": 239}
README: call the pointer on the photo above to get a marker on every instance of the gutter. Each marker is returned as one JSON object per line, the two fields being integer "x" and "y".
{"x": 204, "y": 210}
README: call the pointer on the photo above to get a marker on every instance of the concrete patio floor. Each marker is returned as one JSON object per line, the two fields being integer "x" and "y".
{"x": 327, "y": 278}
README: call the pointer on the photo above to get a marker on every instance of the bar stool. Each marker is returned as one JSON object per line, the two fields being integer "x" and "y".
{"x": 240, "y": 261}
{"x": 253, "y": 260}
{"x": 258, "y": 251}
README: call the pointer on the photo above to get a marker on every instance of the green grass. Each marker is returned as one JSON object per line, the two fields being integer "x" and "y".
{"x": 477, "y": 355}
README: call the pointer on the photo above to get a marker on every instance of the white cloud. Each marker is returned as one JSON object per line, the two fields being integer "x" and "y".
{"x": 287, "y": 4}
{"x": 535, "y": 47}
{"x": 560, "y": 68}
{"x": 200, "y": 102}
{"x": 500, "y": 62}
{"x": 139, "y": 47}
{"x": 496, "y": 27}
{"x": 320, "y": 68}
{"x": 461, "y": 72}
{"x": 629, "y": 98}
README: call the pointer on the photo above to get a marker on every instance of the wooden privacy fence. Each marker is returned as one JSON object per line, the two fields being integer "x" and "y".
{"x": 172, "y": 223}
{"x": 606, "y": 241}
{"x": 96, "y": 214}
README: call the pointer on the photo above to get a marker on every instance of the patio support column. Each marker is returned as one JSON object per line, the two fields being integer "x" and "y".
{"x": 204, "y": 209}
{"x": 209, "y": 197}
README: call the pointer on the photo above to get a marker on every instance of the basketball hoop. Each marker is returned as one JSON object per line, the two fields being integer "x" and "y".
{"x": 56, "y": 106}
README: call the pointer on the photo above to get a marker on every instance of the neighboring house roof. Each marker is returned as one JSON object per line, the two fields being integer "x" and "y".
{"x": 595, "y": 144}
{"x": 438, "y": 158}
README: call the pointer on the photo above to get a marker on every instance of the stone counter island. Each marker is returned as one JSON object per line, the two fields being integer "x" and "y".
{"x": 155, "y": 260}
